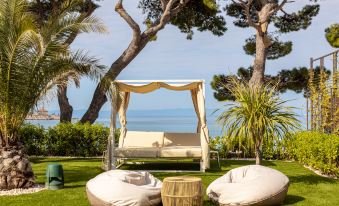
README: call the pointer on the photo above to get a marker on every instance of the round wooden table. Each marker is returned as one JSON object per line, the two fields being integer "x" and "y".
{"x": 182, "y": 191}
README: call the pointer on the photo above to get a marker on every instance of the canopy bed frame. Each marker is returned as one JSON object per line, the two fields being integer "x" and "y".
{"x": 157, "y": 144}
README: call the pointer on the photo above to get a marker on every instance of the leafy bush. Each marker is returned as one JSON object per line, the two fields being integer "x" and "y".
{"x": 65, "y": 139}
{"x": 320, "y": 151}
{"x": 33, "y": 137}
{"x": 272, "y": 147}
{"x": 218, "y": 144}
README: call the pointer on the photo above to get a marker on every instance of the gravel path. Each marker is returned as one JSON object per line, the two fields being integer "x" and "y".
{"x": 36, "y": 188}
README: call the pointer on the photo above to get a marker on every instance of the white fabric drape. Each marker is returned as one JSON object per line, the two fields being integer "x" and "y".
{"x": 154, "y": 86}
{"x": 198, "y": 99}
{"x": 195, "y": 104}
{"x": 115, "y": 103}
{"x": 124, "y": 100}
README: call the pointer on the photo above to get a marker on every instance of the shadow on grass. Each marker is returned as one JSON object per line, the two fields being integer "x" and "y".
{"x": 292, "y": 199}
{"x": 239, "y": 163}
{"x": 162, "y": 166}
{"x": 311, "y": 179}
{"x": 185, "y": 166}
{"x": 81, "y": 174}
{"x": 37, "y": 160}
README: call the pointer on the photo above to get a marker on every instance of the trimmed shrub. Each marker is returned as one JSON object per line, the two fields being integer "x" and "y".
{"x": 65, "y": 139}
{"x": 34, "y": 138}
{"x": 320, "y": 151}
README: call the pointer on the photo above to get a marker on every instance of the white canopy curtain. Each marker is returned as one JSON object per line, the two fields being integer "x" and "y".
{"x": 120, "y": 104}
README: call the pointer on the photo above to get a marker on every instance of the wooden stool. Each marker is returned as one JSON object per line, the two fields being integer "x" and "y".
{"x": 182, "y": 191}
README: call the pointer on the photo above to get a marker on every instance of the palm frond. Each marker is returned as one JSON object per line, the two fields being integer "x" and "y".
{"x": 33, "y": 60}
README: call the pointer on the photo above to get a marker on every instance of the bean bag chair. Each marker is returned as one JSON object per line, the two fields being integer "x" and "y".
{"x": 249, "y": 185}
{"x": 124, "y": 188}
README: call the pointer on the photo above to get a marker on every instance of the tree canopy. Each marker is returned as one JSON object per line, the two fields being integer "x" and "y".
{"x": 282, "y": 21}
{"x": 295, "y": 79}
{"x": 269, "y": 19}
{"x": 332, "y": 35}
{"x": 203, "y": 15}
{"x": 80, "y": 10}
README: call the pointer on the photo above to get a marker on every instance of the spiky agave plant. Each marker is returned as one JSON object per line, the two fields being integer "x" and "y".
{"x": 32, "y": 59}
{"x": 257, "y": 113}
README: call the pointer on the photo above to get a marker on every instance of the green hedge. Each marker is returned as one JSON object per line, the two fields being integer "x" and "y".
{"x": 272, "y": 148}
{"x": 65, "y": 139}
{"x": 320, "y": 151}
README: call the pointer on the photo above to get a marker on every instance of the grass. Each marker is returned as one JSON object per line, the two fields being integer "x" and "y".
{"x": 306, "y": 187}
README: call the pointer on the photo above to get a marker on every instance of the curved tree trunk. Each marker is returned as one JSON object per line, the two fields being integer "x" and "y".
{"x": 66, "y": 110}
{"x": 98, "y": 100}
{"x": 99, "y": 97}
{"x": 139, "y": 41}
{"x": 257, "y": 78}
{"x": 15, "y": 169}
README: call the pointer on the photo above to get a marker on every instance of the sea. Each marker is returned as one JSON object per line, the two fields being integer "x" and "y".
{"x": 167, "y": 120}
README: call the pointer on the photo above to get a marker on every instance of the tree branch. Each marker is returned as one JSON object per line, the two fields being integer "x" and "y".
{"x": 283, "y": 11}
{"x": 279, "y": 7}
{"x": 247, "y": 7}
{"x": 163, "y": 4}
{"x": 177, "y": 9}
{"x": 129, "y": 20}
{"x": 168, "y": 13}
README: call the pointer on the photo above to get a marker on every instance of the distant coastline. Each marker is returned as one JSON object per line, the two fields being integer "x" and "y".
{"x": 171, "y": 120}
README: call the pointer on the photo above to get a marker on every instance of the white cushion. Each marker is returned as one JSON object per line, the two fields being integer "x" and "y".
{"x": 181, "y": 139}
{"x": 249, "y": 185}
{"x": 143, "y": 139}
{"x": 181, "y": 152}
{"x": 143, "y": 152}
{"x": 124, "y": 188}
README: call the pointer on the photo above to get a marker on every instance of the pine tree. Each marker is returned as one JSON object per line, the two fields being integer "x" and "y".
{"x": 296, "y": 79}
{"x": 265, "y": 44}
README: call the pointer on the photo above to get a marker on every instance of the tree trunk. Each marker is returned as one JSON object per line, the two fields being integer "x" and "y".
{"x": 66, "y": 110}
{"x": 99, "y": 97}
{"x": 258, "y": 155}
{"x": 138, "y": 42}
{"x": 15, "y": 169}
{"x": 257, "y": 78}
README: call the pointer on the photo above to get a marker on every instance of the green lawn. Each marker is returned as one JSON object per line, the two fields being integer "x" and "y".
{"x": 306, "y": 187}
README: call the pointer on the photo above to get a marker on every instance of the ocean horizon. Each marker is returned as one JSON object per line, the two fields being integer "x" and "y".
{"x": 168, "y": 120}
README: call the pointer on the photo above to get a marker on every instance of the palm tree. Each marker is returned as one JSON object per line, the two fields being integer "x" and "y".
{"x": 32, "y": 60}
{"x": 257, "y": 113}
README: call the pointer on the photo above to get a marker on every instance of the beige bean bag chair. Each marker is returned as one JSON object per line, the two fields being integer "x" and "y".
{"x": 249, "y": 185}
{"x": 124, "y": 188}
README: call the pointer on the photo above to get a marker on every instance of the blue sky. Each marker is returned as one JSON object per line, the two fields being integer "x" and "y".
{"x": 172, "y": 56}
